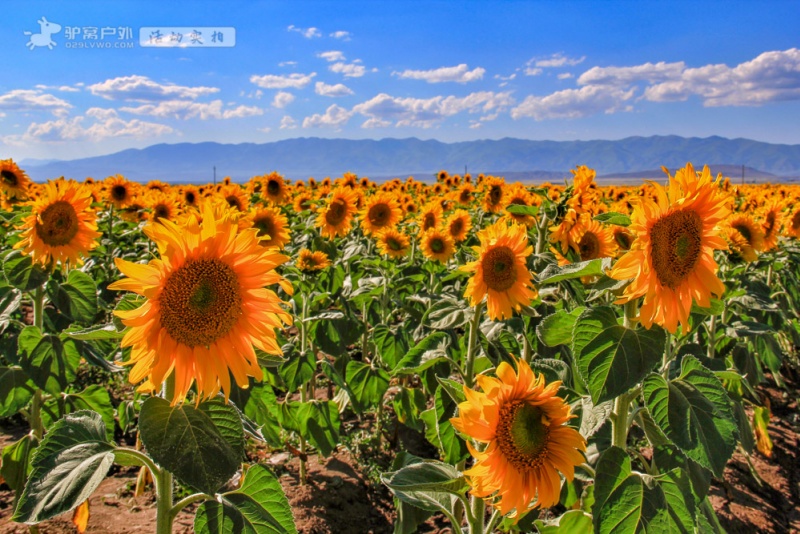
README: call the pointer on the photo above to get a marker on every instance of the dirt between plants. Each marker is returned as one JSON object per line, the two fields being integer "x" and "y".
{"x": 340, "y": 498}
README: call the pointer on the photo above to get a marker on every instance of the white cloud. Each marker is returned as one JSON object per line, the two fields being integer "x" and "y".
{"x": 265, "y": 129}
{"x": 771, "y": 77}
{"x": 349, "y": 70}
{"x": 143, "y": 89}
{"x": 459, "y": 74}
{"x": 282, "y": 99}
{"x": 185, "y": 109}
{"x": 332, "y": 55}
{"x": 565, "y": 76}
{"x": 557, "y": 60}
{"x": 288, "y": 123}
{"x": 33, "y": 100}
{"x": 427, "y": 112}
{"x": 475, "y": 125}
{"x": 574, "y": 103}
{"x": 287, "y": 63}
{"x": 336, "y": 90}
{"x": 308, "y": 33}
{"x": 334, "y": 117}
{"x": 282, "y": 81}
{"x": 375, "y": 122}
{"x": 341, "y": 34}
{"x": 106, "y": 124}
{"x": 532, "y": 71}
{"x": 650, "y": 72}
{"x": 62, "y": 88}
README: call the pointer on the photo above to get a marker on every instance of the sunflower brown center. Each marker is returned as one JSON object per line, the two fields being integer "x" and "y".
{"x": 623, "y": 239}
{"x": 57, "y": 225}
{"x": 336, "y": 212}
{"x": 457, "y": 227}
{"x": 200, "y": 302}
{"x": 119, "y": 192}
{"x": 437, "y": 245}
{"x": 234, "y": 202}
{"x": 273, "y": 187}
{"x": 495, "y": 194}
{"x": 9, "y": 177}
{"x": 190, "y": 198}
{"x": 522, "y": 435}
{"x": 769, "y": 224}
{"x": 589, "y": 246}
{"x": 675, "y": 247}
{"x": 796, "y": 221}
{"x": 745, "y": 231}
{"x": 429, "y": 221}
{"x": 465, "y": 196}
{"x": 161, "y": 211}
{"x": 499, "y": 272}
{"x": 264, "y": 226}
{"x": 379, "y": 214}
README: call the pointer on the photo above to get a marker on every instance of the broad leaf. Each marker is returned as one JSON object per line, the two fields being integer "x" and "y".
{"x": 16, "y": 390}
{"x": 22, "y": 273}
{"x": 184, "y": 440}
{"x": 610, "y": 357}
{"x": 556, "y": 273}
{"x": 259, "y": 506}
{"x": 70, "y": 463}
{"x": 94, "y": 398}
{"x": 50, "y": 362}
{"x": 368, "y": 384}
{"x": 694, "y": 412}
{"x": 391, "y": 346}
{"x": 319, "y": 423}
{"x": 77, "y": 297}
{"x": 556, "y": 329}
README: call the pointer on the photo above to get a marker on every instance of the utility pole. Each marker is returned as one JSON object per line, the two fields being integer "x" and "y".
{"x": 215, "y": 175}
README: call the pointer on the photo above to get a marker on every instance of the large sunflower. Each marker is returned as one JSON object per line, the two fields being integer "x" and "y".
{"x": 591, "y": 240}
{"x": 672, "y": 259}
{"x": 163, "y": 206}
{"x": 494, "y": 191}
{"x": 272, "y": 226}
{"x": 206, "y": 307}
{"x": 13, "y": 180}
{"x": 528, "y": 442}
{"x": 500, "y": 272}
{"x": 381, "y": 211}
{"x": 336, "y": 217}
{"x": 61, "y": 227}
{"x": 235, "y": 196}
{"x": 274, "y": 188}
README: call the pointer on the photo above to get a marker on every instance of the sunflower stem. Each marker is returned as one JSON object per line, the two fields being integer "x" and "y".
{"x": 527, "y": 352}
{"x": 164, "y": 515}
{"x": 769, "y": 275}
{"x": 619, "y": 421}
{"x": 712, "y": 337}
{"x": 303, "y": 467}
{"x": 469, "y": 362}
{"x": 478, "y": 516}
{"x": 36, "y": 406}
{"x": 493, "y": 521}
{"x": 365, "y": 337}
{"x": 540, "y": 234}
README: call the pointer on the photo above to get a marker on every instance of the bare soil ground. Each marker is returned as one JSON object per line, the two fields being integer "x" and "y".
{"x": 339, "y": 497}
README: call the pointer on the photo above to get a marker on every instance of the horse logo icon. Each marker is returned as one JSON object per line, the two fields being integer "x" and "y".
{"x": 47, "y": 29}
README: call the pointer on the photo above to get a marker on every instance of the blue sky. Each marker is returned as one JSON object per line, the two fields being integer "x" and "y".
{"x": 452, "y": 71}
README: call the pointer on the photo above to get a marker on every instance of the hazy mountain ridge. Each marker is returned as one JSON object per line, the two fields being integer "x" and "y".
{"x": 304, "y": 157}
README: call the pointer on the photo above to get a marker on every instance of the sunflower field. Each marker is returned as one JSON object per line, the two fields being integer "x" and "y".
{"x": 575, "y": 358}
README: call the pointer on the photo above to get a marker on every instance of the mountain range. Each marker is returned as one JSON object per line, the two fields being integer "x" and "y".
{"x": 538, "y": 160}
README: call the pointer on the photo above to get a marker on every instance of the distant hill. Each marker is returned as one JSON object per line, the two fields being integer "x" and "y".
{"x": 541, "y": 160}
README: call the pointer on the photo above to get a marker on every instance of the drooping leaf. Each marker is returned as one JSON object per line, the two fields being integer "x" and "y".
{"x": 50, "y": 362}
{"x": 557, "y": 273}
{"x": 16, "y": 390}
{"x": 368, "y": 384}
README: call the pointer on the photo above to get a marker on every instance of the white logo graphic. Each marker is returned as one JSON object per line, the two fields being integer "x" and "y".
{"x": 43, "y": 38}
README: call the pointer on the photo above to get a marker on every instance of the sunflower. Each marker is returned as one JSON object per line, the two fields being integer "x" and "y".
{"x": 591, "y": 240}
{"x": 308, "y": 261}
{"x": 272, "y": 226}
{"x": 465, "y": 194}
{"x": 500, "y": 272}
{"x": 157, "y": 185}
{"x": 523, "y": 423}
{"x": 793, "y": 225}
{"x": 206, "y": 307}
{"x": 381, "y": 211}
{"x": 745, "y": 236}
{"x": 623, "y": 237}
{"x": 61, "y": 227}
{"x": 191, "y": 196}
{"x": 302, "y": 202}
{"x": 430, "y": 216}
{"x": 437, "y": 245}
{"x": 772, "y": 215}
{"x": 235, "y": 197}
{"x": 517, "y": 194}
{"x": 393, "y": 243}
{"x": 163, "y": 206}
{"x": 335, "y": 219}
{"x": 458, "y": 224}
{"x": 494, "y": 191}
{"x": 13, "y": 180}
{"x": 672, "y": 259}
{"x": 274, "y": 188}
{"x": 119, "y": 191}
